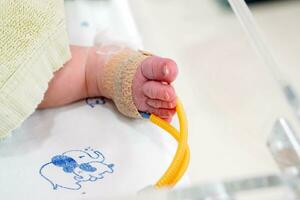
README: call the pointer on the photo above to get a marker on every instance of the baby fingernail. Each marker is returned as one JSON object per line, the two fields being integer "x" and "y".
{"x": 166, "y": 70}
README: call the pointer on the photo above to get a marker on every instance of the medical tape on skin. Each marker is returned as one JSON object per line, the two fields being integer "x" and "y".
{"x": 118, "y": 75}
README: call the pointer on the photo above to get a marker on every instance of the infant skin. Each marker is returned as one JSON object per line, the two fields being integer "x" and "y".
{"x": 81, "y": 77}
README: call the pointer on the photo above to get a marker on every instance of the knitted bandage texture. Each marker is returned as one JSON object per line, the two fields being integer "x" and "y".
{"x": 117, "y": 80}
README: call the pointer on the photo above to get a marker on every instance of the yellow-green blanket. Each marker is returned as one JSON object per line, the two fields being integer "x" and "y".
{"x": 33, "y": 44}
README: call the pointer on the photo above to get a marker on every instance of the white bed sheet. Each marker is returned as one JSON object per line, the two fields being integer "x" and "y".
{"x": 87, "y": 149}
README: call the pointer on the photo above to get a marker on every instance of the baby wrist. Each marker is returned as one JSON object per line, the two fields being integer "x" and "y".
{"x": 117, "y": 77}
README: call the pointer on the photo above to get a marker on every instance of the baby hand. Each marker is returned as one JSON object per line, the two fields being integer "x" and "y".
{"x": 152, "y": 90}
{"x": 82, "y": 76}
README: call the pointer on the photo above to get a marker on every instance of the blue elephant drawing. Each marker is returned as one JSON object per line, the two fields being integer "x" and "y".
{"x": 72, "y": 168}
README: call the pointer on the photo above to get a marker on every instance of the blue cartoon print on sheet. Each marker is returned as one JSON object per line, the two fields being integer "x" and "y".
{"x": 92, "y": 102}
{"x": 72, "y": 168}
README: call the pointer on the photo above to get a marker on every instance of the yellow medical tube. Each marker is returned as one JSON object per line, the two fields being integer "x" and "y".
{"x": 182, "y": 156}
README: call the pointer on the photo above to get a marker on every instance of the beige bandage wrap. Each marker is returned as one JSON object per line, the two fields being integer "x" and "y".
{"x": 118, "y": 75}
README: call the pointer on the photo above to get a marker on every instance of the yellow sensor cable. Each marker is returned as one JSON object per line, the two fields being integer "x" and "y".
{"x": 182, "y": 156}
